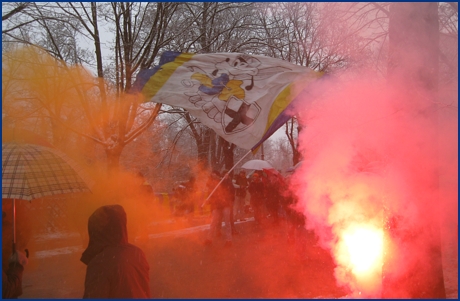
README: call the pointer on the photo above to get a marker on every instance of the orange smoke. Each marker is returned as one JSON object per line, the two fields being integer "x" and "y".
{"x": 35, "y": 86}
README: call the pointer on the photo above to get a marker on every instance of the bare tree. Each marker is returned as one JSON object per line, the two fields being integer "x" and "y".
{"x": 36, "y": 88}
{"x": 330, "y": 36}
{"x": 278, "y": 152}
{"x": 322, "y": 36}
{"x": 214, "y": 27}
{"x": 414, "y": 52}
{"x": 138, "y": 38}
{"x": 370, "y": 20}
{"x": 307, "y": 34}
{"x": 291, "y": 129}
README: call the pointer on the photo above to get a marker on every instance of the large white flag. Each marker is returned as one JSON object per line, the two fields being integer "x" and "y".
{"x": 237, "y": 95}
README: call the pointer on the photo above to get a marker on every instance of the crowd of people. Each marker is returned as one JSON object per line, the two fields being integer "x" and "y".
{"x": 269, "y": 200}
{"x": 263, "y": 194}
{"x": 119, "y": 269}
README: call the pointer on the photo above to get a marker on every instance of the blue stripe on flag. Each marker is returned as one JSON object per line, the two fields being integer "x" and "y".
{"x": 144, "y": 75}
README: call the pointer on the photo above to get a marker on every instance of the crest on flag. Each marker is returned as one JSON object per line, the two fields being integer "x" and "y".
{"x": 221, "y": 90}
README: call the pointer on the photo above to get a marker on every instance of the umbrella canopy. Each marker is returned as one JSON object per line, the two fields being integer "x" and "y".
{"x": 33, "y": 171}
{"x": 257, "y": 165}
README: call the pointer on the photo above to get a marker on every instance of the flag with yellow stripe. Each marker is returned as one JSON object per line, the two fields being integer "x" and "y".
{"x": 239, "y": 96}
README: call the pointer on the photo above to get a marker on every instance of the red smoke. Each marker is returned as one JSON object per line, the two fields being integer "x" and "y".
{"x": 370, "y": 154}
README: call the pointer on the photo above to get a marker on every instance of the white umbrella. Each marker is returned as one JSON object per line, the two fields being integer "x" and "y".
{"x": 257, "y": 165}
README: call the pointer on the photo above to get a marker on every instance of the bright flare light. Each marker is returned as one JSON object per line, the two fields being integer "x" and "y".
{"x": 365, "y": 248}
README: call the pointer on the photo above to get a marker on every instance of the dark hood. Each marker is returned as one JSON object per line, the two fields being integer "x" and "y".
{"x": 106, "y": 227}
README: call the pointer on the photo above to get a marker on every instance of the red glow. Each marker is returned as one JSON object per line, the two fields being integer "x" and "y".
{"x": 364, "y": 247}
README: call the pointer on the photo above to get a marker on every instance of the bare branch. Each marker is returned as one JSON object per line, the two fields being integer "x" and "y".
{"x": 15, "y": 11}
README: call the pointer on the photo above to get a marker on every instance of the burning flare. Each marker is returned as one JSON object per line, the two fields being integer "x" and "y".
{"x": 359, "y": 256}
{"x": 364, "y": 246}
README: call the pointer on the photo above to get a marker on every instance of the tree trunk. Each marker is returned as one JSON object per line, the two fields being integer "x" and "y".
{"x": 113, "y": 158}
{"x": 204, "y": 147}
{"x": 296, "y": 154}
{"x": 413, "y": 72}
{"x": 293, "y": 142}
{"x": 97, "y": 41}
{"x": 227, "y": 148}
{"x": 212, "y": 150}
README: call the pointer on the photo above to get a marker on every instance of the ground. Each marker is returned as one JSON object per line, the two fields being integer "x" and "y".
{"x": 262, "y": 263}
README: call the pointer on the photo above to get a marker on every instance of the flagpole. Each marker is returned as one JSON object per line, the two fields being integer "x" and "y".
{"x": 223, "y": 178}
{"x": 262, "y": 150}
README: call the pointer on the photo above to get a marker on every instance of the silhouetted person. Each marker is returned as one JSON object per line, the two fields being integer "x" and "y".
{"x": 115, "y": 268}
{"x": 220, "y": 202}
{"x": 12, "y": 274}
{"x": 258, "y": 194}
{"x": 296, "y": 220}
{"x": 144, "y": 186}
{"x": 275, "y": 191}
{"x": 12, "y": 277}
{"x": 143, "y": 198}
{"x": 241, "y": 185}
{"x": 189, "y": 196}
{"x": 227, "y": 184}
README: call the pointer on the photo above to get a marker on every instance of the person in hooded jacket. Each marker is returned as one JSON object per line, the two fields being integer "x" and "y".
{"x": 115, "y": 268}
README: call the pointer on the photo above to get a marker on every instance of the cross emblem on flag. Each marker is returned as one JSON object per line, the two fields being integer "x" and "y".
{"x": 239, "y": 115}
